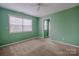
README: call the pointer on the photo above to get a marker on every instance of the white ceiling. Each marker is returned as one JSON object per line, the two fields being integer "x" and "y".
{"x": 31, "y": 8}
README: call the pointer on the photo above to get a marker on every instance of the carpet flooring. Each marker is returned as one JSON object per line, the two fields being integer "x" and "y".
{"x": 39, "y": 47}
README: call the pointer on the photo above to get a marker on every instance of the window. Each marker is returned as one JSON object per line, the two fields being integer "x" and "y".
{"x": 27, "y": 25}
{"x": 15, "y": 24}
{"x": 19, "y": 24}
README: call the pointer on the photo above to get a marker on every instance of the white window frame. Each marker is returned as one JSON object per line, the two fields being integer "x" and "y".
{"x": 28, "y": 24}
{"x": 19, "y": 23}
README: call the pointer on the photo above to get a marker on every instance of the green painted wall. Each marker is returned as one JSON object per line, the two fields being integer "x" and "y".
{"x": 6, "y": 37}
{"x": 65, "y": 26}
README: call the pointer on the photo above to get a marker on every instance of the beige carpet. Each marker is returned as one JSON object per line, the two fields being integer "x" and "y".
{"x": 38, "y": 47}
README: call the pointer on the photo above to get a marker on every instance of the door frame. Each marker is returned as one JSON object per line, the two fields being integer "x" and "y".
{"x": 43, "y": 26}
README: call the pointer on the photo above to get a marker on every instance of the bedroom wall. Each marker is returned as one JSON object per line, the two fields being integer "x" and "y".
{"x": 6, "y": 37}
{"x": 64, "y": 26}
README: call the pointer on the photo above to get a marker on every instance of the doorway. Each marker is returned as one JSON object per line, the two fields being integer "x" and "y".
{"x": 46, "y": 28}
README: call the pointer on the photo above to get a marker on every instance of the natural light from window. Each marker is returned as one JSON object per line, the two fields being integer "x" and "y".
{"x": 18, "y": 24}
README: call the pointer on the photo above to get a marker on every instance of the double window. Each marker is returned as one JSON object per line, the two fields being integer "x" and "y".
{"x": 17, "y": 24}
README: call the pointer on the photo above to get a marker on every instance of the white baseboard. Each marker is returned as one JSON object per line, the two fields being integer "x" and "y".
{"x": 65, "y": 43}
{"x": 18, "y": 42}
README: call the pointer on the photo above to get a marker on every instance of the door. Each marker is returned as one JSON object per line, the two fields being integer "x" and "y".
{"x": 46, "y": 28}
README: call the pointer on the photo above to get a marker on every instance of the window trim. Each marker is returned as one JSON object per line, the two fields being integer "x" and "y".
{"x": 31, "y": 25}
{"x": 22, "y": 23}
